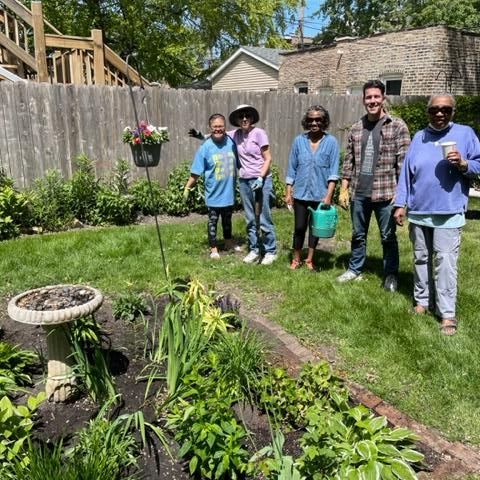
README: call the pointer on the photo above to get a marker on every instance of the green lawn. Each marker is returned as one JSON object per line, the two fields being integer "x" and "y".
{"x": 400, "y": 357}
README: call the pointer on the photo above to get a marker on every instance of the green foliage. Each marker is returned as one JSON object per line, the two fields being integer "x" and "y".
{"x": 90, "y": 365}
{"x": 355, "y": 444}
{"x": 239, "y": 359}
{"x": 128, "y": 307}
{"x": 15, "y": 363}
{"x": 113, "y": 207}
{"x": 173, "y": 202}
{"x": 105, "y": 450}
{"x": 374, "y": 16}
{"x": 173, "y": 39}
{"x": 278, "y": 187}
{"x": 83, "y": 188}
{"x": 209, "y": 435}
{"x": 145, "y": 200}
{"x": 14, "y": 212}
{"x": 50, "y": 200}
{"x": 5, "y": 180}
{"x": 16, "y": 423}
{"x": 287, "y": 400}
{"x": 119, "y": 179}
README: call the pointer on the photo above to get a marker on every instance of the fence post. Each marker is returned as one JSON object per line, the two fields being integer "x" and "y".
{"x": 39, "y": 41}
{"x": 98, "y": 57}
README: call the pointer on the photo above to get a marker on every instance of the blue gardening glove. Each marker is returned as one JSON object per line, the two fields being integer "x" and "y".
{"x": 196, "y": 134}
{"x": 257, "y": 184}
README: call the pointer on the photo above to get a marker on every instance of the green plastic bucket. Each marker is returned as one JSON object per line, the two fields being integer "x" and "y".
{"x": 324, "y": 221}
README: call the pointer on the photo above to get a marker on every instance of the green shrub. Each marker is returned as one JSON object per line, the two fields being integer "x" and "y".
{"x": 50, "y": 200}
{"x": 15, "y": 363}
{"x": 113, "y": 208}
{"x": 83, "y": 189}
{"x": 119, "y": 178}
{"x": 172, "y": 198}
{"x": 278, "y": 187}
{"x": 146, "y": 201}
{"x": 14, "y": 211}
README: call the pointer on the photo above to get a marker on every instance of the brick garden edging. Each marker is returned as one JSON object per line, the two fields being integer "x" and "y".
{"x": 457, "y": 459}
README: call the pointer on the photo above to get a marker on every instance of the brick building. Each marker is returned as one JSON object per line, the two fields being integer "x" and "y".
{"x": 417, "y": 61}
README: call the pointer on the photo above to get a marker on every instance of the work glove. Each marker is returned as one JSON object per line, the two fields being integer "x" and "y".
{"x": 186, "y": 193}
{"x": 257, "y": 184}
{"x": 196, "y": 134}
{"x": 344, "y": 198}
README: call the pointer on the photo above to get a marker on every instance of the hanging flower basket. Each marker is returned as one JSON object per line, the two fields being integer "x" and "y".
{"x": 151, "y": 138}
{"x": 152, "y": 155}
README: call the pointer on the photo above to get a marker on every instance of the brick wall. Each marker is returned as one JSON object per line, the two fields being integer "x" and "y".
{"x": 428, "y": 60}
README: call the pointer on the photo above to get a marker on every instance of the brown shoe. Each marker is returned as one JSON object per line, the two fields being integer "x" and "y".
{"x": 295, "y": 264}
{"x": 310, "y": 265}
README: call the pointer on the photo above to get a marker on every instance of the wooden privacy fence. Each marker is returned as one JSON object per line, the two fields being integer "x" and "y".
{"x": 44, "y": 127}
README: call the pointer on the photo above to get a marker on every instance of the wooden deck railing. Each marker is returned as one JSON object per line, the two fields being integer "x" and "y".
{"x": 34, "y": 49}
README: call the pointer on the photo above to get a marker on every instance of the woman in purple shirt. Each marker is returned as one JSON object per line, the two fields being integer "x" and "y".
{"x": 311, "y": 177}
{"x": 255, "y": 183}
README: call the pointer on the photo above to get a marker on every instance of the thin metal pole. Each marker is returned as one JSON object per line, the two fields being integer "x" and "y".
{"x": 145, "y": 159}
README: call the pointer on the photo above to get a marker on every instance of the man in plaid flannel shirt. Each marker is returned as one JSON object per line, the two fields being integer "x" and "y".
{"x": 376, "y": 146}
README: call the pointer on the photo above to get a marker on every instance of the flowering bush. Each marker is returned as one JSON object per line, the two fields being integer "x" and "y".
{"x": 146, "y": 134}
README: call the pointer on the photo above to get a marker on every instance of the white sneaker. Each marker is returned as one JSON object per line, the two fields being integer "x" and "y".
{"x": 348, "y": 276}
{"x": 215, "y": 256}
{"x": 269, "y": 258}
{"x": 251, "y": 257}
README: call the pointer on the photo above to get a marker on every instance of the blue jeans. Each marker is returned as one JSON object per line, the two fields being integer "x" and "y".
{"x": 268, "y": 241}
{"x": 361, "y": 212}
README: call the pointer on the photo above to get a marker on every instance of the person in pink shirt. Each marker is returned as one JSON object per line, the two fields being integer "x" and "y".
{"x": 255, "y": 180}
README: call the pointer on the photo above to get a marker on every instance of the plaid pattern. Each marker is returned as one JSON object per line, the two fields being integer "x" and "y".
{"x": 394, "y": 142}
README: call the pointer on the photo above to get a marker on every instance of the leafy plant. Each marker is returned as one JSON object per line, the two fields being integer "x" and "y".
{"x": 83, "y": 189}
{"x": 14, "y": 212}
{"x": 146, "y": 201}
{"x": 129, "y": 306}
{"x": 210, "y": 436}
{"x": 113, "y": 208}
{"x": 16, "y": 362}
{"x": 90, "y": 366}
{"x": 16, "y": 423}
{"x": 145, "y": 133}
{"x": 278, "y": 187}
{"x": 240, "y": 362}
{"x": 119, "y": 179}
{"x": 50, "y": 202}
{"x": 355, "y": 444}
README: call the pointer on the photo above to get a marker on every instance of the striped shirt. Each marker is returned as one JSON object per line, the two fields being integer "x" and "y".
{"x": 394, "y": 141}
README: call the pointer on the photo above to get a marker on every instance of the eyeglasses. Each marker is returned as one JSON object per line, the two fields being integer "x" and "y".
{"x": 443, "y": 110}
{"x": 217, "y": 128}
{"x": 317, "y": 120}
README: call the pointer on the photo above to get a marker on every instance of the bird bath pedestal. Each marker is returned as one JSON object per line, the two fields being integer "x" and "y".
{"x": 53, "y": 307}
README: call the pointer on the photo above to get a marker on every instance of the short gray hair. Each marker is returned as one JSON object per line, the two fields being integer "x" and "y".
{"x": 438, "y": 95}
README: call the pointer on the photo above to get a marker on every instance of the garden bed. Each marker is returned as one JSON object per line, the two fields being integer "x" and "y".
{"x": 126, "y": 361}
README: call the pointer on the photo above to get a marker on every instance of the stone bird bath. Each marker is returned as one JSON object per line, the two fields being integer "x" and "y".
{"x": 53, "y": 307}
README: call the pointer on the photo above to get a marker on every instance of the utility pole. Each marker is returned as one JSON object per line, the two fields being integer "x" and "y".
{"x": 301, "y": 17}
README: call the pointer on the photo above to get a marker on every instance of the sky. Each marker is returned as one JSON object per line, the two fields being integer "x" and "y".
{"x": 312, "y": 26}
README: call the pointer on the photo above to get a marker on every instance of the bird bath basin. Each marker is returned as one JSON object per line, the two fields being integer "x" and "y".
{"x": 53, "y": 307}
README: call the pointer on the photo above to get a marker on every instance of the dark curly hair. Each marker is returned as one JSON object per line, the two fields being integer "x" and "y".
{"x": 323, "y": 111}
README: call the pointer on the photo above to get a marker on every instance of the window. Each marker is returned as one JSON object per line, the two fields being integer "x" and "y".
{"x": 393, "y": 87}
{"x": 355, "y": 90}
{"x": 393, "y": 83}
{"x": 325, "y": 90}
{"x": 301, "y": 87}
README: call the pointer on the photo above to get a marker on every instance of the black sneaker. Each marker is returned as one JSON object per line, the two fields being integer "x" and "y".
{"x": 391, "y": 283}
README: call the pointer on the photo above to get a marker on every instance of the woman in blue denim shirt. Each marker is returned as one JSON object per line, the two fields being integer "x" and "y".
{"x": 311, "y": 177}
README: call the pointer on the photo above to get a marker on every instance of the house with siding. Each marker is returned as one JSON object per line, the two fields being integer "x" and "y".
{"x": 418, "y": 61}
{"x": 250, "y": 69}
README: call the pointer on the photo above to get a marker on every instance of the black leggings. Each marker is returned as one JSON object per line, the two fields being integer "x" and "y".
{"x": 213, "y": 215}
{"x": 302, "y": 219}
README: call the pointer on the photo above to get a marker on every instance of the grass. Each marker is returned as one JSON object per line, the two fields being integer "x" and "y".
{"x": 401, "y": 357}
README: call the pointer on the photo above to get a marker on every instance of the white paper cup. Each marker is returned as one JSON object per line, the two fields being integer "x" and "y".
{"x": 448, "y": 147}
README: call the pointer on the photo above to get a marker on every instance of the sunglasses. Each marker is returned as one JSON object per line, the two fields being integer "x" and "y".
{"x": 443, "y": 110}
{"x": 243, "y": 115}
{"x": 318, "y": 120}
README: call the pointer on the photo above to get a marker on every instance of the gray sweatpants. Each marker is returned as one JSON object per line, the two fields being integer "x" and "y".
{"x": 435, "y": 255}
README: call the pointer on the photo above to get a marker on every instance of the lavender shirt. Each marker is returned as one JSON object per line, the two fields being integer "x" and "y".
{"x": 249, "y": 150}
